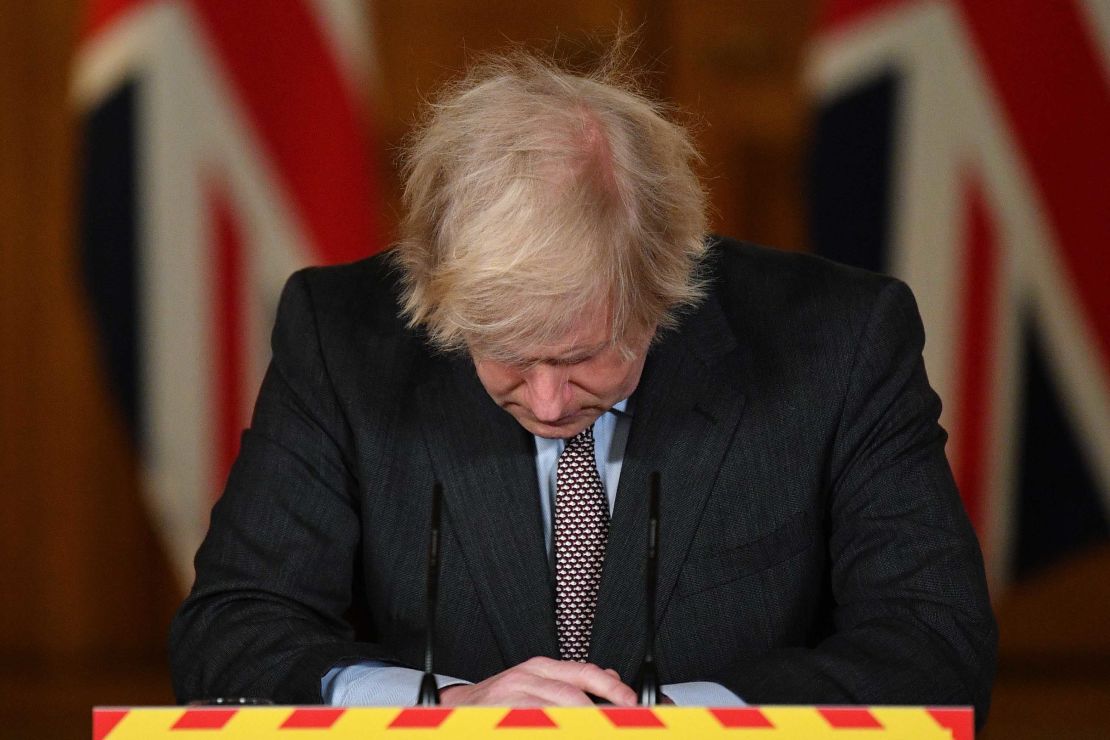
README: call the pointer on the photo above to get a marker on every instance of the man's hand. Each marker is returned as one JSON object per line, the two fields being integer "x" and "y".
{"x": 544, "y": 682}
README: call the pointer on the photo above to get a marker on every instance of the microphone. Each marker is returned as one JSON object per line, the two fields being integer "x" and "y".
{"x": 646, "y": 684}
{"x": 429, "y": 691}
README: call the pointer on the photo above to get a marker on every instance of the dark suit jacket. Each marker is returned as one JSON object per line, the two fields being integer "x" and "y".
{"x": 813, "y": 547}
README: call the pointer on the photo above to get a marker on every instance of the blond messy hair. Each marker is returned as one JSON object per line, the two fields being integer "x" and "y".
{"x": 533, "y": 195}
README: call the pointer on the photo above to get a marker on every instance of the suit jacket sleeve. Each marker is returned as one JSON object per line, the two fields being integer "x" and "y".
{"x": 911, "y": 619}
{"x": 275, "y": 573}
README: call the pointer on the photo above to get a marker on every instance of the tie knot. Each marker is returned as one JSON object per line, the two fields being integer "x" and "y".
{"x": 584, "y": 438}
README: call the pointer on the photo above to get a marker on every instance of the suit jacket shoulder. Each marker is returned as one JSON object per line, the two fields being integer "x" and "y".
{"x": 792, "y": 294}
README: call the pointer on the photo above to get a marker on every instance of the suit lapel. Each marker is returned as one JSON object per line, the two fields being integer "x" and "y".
{"x": 486, "y": 463}
{"x": 687, "y": 408}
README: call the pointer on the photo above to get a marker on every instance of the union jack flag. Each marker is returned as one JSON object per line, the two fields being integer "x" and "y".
{"x": 962, "y": 145}
{"x": 225, "y": 145}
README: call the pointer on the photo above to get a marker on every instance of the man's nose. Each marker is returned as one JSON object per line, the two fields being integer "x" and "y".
{"x": 550, "y": 392}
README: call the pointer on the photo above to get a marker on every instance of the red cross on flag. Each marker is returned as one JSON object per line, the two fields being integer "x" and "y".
{"x": 962, "y": 146}
{"x": 225, "y": 145}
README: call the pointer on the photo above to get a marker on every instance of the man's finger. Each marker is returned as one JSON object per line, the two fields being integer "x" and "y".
{"x": 518, "y": 686}
{"x": 587, "y": 677}
{"x": 541, "y": 691}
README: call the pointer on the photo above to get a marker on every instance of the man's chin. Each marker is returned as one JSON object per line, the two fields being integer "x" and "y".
{"x": 561, "y": 429}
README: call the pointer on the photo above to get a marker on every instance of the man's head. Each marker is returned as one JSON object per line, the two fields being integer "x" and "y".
{"x": 553, "y": 223}
{"x": 559, "y": 389}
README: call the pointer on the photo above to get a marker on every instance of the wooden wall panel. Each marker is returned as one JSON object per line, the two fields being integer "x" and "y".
{"x": 85, "y": 589}
{"x": 86, "y": 560}
{"x": 737, "y": 66}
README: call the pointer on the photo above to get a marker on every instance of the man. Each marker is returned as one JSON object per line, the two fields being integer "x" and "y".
{"x": 551, "y": 329}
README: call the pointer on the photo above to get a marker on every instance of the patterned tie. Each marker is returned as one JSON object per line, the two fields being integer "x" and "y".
{"x": 581, "y": 529}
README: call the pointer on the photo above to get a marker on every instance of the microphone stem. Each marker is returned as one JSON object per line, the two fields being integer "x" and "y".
{"x": 428, "y": 695}
{"x": 647, "y": 681}
{"x": 433, "y": 577}
{"x": 652, "y": 562}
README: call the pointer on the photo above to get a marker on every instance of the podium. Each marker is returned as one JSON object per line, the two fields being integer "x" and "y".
{"x": 618, "y": 723}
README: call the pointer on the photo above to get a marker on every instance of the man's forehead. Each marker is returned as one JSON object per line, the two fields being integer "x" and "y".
{"x": 587, "y": 336}
{"x": 562, "y": 352}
